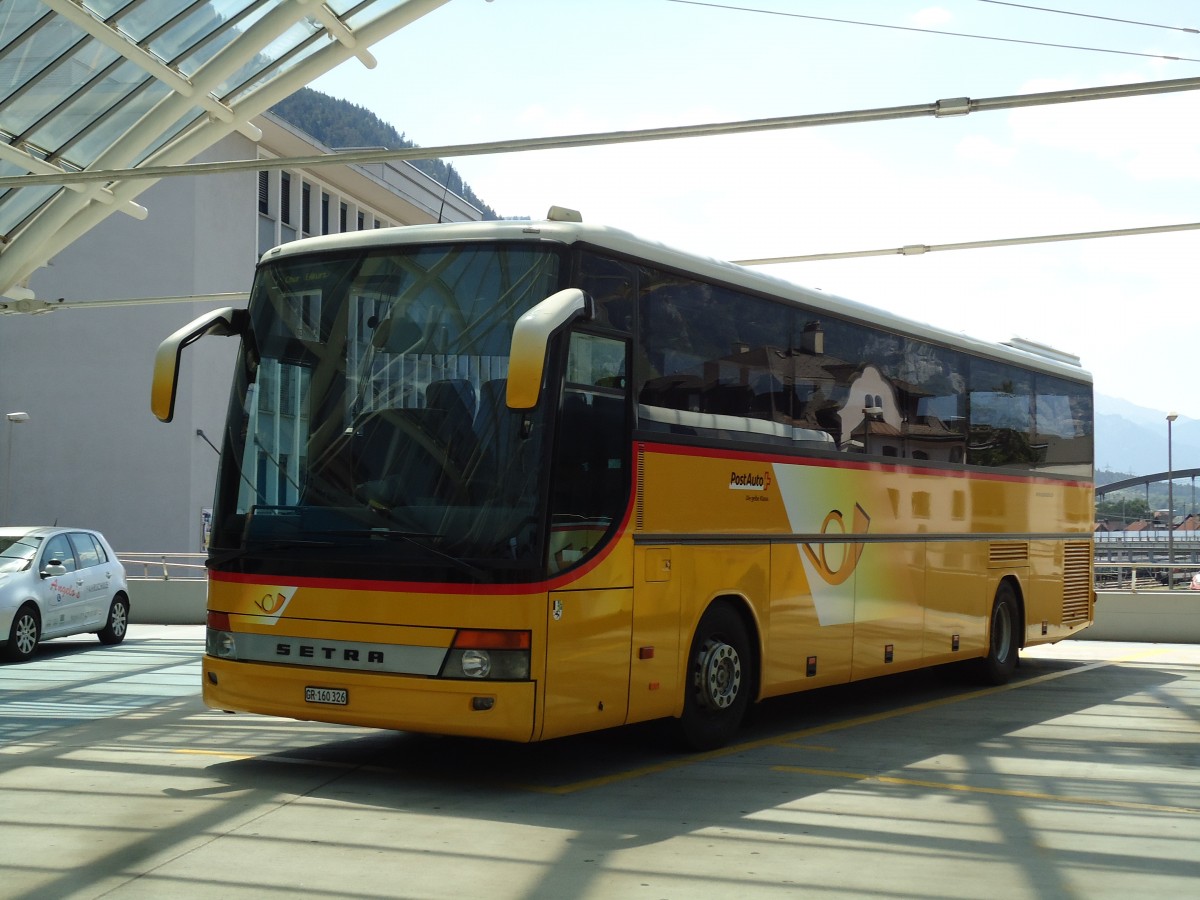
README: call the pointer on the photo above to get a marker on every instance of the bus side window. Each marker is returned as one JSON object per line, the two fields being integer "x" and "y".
{"x": 591, "y": 470}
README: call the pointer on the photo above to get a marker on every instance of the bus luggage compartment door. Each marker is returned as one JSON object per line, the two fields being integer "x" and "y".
{"x": 587, "y": 660}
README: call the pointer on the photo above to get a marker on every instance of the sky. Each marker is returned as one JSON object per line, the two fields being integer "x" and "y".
{"x": 486, "y": 70}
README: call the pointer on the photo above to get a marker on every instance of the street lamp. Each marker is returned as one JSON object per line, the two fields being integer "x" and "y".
{"x": 1171, "y": 417}
{"x": 14, "y": 418}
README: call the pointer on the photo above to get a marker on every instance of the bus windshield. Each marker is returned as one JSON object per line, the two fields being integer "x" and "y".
{"x": 374, "y": 434}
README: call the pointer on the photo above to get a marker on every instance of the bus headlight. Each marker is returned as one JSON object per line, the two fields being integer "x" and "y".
{"x": 488, "y": 655}
{"x": 221, "y": 644}
{"x": 476, "y": 663}
{"x": 218, "y": 639}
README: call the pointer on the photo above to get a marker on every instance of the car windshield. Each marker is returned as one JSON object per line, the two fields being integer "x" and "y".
{"x": 17, "y": 552}
{"x": 375, "y": 433}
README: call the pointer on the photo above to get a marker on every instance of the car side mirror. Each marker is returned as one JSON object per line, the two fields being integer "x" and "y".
{"x": 54, "y": 569}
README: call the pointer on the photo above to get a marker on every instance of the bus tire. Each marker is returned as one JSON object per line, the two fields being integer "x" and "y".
{"x": 1003, "y": 637}
{"x": 720, "y": 680}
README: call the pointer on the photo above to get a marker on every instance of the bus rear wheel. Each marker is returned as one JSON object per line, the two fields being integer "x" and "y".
{"x": 720, "y": 680}
{"x": 1004, "y": 630}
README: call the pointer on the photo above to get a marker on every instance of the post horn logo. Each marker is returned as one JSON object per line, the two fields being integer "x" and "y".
{"x": 273, "y": 603}
{"x": 849, "y": 561}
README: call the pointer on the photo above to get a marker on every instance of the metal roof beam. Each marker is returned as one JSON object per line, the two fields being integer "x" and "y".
{"x": 82, "y": 18}
{"x": 340, "y": 31}
{"x": 33, "y": 164}
{"x": 28, "y": 305}
{"x": 63, "y": 220}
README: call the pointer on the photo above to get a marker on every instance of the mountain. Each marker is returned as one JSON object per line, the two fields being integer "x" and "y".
{"x": 1132, "y": 440}
{"x": 342, "y": 124}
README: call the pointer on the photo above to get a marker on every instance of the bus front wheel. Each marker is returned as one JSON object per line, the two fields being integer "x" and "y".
{"x": 1004, "y": 631}
{"x": 720, "y": 680}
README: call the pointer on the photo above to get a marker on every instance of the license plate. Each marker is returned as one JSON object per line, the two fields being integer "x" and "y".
{"x": 336, "y": 696}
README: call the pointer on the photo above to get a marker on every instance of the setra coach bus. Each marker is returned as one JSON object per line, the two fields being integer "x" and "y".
{"x": 523, "y": 480}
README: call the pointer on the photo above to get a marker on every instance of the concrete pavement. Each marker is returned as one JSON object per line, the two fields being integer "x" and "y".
{"x": 1080, "y": 779}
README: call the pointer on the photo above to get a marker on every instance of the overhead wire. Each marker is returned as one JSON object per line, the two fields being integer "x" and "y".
{"x": 978, "y": 37}
{"x": 1068, "y": 12}
{"x": 948, "y": 107}
{"x": 920, "y": 249}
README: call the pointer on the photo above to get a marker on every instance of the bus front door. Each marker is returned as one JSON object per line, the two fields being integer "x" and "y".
{"x": 587, "y": 660}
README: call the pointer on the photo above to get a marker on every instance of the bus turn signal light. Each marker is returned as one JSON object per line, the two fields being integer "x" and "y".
{"x": 475, "y": 639}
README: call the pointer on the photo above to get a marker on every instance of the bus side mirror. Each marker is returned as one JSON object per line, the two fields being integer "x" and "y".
{"x": 226, "y": 321}
{"x": 531, "y": 341}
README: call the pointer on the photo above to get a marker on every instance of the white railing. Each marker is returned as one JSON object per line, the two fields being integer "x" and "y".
{"x": 1149, "y": 535}
{"x": 1145, "y": 575}
{"x": 164, "y": 566}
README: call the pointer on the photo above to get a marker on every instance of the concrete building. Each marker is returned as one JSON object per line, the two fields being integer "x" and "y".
{"x": 90, "y": 453}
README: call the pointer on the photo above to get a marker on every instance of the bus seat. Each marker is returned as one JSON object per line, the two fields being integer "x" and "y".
{"x": 455, "y": 395}
{"x": 455, "y": 399}
{"x": 492, "y": 419}
{"x": 592, "y": 466}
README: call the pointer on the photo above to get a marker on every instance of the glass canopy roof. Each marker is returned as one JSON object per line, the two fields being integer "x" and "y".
{"x": 112, "y": 84}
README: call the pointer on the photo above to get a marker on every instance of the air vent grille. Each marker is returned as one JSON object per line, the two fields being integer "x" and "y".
{"x": 639, "y": 507}
{"x": 1077, "y": 582}
{"x": 1008, "y": 553}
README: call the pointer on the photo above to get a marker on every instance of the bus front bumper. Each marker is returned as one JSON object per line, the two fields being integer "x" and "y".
{"x": 500, "y": 710}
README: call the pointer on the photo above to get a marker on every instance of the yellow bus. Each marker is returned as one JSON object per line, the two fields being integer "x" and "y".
{"x": 520, "y": 480}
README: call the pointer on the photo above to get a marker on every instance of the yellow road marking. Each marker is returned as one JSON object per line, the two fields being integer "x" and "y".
{"x": 999, "y": 792}
{"x": 188, "y": 751}
{"x": 829, "y": 728}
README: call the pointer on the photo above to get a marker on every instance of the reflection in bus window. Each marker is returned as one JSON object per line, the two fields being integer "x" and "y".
{"x": 717, "y": 362}
{"x": 591, "y": 470}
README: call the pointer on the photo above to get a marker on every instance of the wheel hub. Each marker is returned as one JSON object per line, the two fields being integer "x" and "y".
{"x": 26, "y": 634}
{"x": 719, "y": 675}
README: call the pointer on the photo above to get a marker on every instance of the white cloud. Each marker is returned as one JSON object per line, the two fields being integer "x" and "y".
{"x": 931, "y": 17}
{"x": 980, "y": 148}
{"x": 1147, "y": 138}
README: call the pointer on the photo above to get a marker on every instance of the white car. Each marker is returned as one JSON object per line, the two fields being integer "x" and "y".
{"x": 56, "y": 582}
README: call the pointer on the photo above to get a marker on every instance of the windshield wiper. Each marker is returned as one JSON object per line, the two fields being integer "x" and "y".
{"x": 214, "y": 560}
{"x": 415, "y": 538}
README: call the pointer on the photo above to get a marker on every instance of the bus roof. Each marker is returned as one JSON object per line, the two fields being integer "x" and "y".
{"x": 1019, "y": 351}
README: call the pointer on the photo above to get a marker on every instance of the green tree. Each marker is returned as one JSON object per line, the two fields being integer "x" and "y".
{"x": 1123, "y": 508}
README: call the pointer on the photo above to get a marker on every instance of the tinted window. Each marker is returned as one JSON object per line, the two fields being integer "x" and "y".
{"x": 716, "y": 362}
{"x": 612, "y": 285}
{"x": 712, "y": 360}
{"x": 1063, "y": 421}
{"x": 87, "y": 552}
{"x": 58, "y": 547}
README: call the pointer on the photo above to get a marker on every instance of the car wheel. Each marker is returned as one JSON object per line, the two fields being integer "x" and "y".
{"x": 24, "y": 634}
{"x": 118, "y": 622}
{"x": 720, "y": 680}
{"x": 1004, "y": 637}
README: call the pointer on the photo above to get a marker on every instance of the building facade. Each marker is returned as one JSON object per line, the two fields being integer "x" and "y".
{"x": 90, "y": 453}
